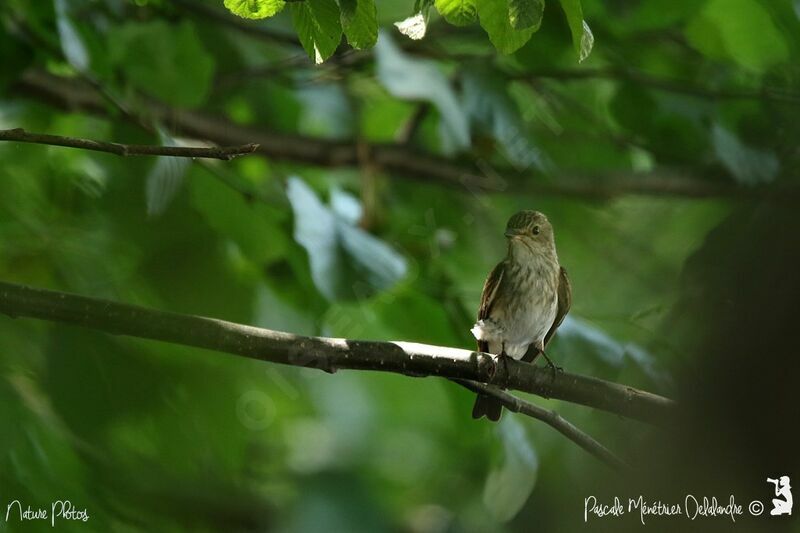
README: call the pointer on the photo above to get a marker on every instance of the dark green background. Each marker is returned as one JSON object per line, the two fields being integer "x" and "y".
{"x": 689, "y": 297}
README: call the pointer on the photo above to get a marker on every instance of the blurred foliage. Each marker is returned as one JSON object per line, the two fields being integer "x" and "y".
{"x": 151, "y": 436}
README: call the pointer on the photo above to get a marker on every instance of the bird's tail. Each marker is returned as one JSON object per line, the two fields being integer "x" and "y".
{"x": 487, "y": 406}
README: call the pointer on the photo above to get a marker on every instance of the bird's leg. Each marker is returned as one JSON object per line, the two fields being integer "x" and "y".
{"x": 531, "y": 354}
{"x": 504, "y": 357}
{"x": 493, "y": 369}
{"x": 536, "y": 349}
{"x": 551, "y": 365}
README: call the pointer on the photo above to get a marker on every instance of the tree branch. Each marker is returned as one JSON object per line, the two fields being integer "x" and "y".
{"x": 403, "y": 162}
{"x": 410, "y": 128}
{"x": 331, "y": 354}
{"x": 662, "y": 84}
{"x": 223, "y": 152}
{"x": 551, "y": 418}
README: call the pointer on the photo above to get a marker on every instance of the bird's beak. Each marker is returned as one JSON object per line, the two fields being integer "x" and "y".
{"x": 511, "y": 233}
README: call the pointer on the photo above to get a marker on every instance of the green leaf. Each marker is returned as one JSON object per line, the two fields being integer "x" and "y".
{"x": 582, "y": 37}
{"x": 346, "y": 261}
{"x": 524, "y": 14}
{"x": 130, "y": 384}
{"x": 16, "y": 58}
{"x": 165, "y": 61}
{"x": 663, "y": 14}
{"x": 494, "y": 18}
{"x": 458, "y": 12}
{"x": 748, "y": 165}
{"x": 486, "y": 100}
{"x": 256, "y": 228}
{"x": 576, "y": 334}
{"x": 71, "y": 43}
{"x": 255, "y": 9}
{"x": 348, "y": 9}
{"x": 165, "y": 178}
{"x": 416, "y": 79}
{"x": 163, "y": 182}
{"x": 318, "y": 26}
{"x": 393, "y": 315}
{"x": 360, "y": 22}
{"x": 740, "y": 30}
{"x": 326, "y": 111}
{"x": 509, "y": 485}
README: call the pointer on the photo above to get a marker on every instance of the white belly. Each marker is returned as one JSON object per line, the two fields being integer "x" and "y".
{"x": 512, "y": 331}
{"x": 515, "y": 335}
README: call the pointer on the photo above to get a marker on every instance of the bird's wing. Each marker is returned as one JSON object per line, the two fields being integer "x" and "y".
{"x": 488, "y": 294}
{"x": 564, "y": 303}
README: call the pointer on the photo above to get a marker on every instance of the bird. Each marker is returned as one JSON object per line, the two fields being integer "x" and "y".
{"x": 524, "y": 299}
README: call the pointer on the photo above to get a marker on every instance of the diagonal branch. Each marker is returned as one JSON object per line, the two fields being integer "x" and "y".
{"x": 331, "y": 354}
{"x": 402, "y": 161}
{"x": 662, "y": 84}
{"x": 223, "y": 152}
{"x": 551, "y": 418}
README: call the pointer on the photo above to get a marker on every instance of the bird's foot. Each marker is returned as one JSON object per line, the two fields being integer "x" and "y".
{"x": 501, "y": 357}
{"x": 504, "y": 357}
{"x": 492, "y": 370}
{"x": 552, "y": 366}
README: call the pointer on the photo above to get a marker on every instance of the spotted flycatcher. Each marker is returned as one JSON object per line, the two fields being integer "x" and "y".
{"x": 524, "y": 299}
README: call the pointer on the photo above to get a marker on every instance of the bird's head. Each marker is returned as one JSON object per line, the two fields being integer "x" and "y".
{"x": 531, "y": 230}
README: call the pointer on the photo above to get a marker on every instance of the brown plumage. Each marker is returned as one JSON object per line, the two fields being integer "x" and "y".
{"x": 524, "y": 300}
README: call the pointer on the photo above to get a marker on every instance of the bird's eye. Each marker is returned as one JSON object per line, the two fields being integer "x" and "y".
{"x": 536, "y": 230}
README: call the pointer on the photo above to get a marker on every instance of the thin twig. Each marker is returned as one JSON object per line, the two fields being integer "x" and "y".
{"x": 217, "y": 152}
{"x": 551, "y": 418}
{"x": 410, "y": 128}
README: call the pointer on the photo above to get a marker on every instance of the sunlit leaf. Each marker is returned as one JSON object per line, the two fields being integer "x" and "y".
{"x": 458, "y": 12}
{"x": 413, "y": 27}
{"x": 255, "y": 9}
{"x": 524, "y": 14}
{"x": 582, "y": 37}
